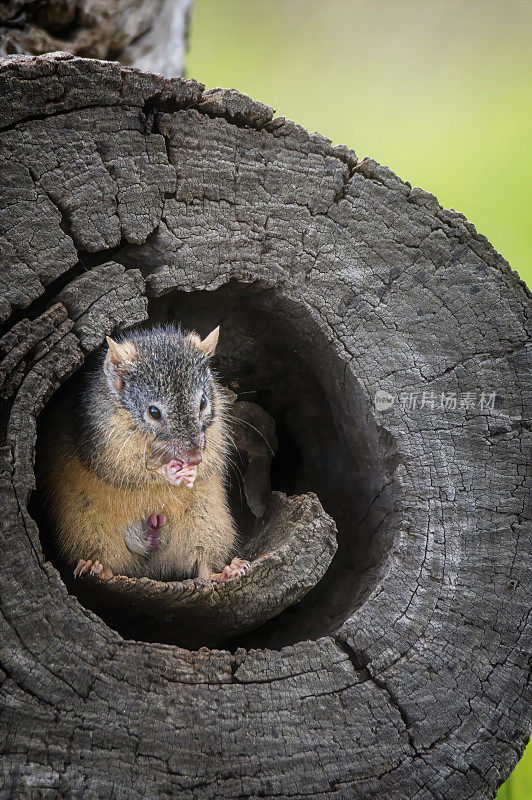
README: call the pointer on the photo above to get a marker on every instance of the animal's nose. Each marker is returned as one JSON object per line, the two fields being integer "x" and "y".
{"x": 194, "y": 457}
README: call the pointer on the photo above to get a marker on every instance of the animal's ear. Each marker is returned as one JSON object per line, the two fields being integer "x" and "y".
{"x": 208, "y": 345}
{"x": 119, "y": 362}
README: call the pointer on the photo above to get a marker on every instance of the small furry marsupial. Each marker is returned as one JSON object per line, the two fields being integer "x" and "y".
{"x": 134, "y": 476}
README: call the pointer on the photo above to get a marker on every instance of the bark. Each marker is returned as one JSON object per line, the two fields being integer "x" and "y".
{"x": 149, "y": 34}
{"x": 403, "y": 673}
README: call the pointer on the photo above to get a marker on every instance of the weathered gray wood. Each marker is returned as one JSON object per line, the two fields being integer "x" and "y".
{"x": 403, "y": 674}
{"x": 102, "y": 300}
{"x": 149, "y": 34}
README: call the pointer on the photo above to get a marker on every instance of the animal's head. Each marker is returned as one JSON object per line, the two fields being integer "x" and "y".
{"x": 161, "y": 378}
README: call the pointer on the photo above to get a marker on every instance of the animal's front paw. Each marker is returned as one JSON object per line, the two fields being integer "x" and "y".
{"x": 235, "y": 569}
{"x": 178, "y": 472}
{"x": 153, "y": 535}
{"x": 92, "y": 568}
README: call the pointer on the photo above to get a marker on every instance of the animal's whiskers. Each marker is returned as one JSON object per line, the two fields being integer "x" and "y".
{"x": 243, "y": 422}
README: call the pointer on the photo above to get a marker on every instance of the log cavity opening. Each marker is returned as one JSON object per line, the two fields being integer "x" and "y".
{"x": 274, "y": 352}
{"x": 329, "y": 442}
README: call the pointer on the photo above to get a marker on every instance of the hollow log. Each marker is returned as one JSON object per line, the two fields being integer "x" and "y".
{"x": 389, "y": 343}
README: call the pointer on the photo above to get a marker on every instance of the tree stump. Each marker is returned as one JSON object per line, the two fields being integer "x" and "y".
{"x": 150, "y": 34}
{"x": 344, "y": 296}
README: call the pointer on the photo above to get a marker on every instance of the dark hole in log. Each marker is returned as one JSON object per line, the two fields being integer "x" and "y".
{"x": 329, "y": 442}
{"x": 273, "y": 352}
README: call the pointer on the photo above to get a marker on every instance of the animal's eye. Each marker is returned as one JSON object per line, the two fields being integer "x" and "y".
{"x": 203, "y": 402}
{"x": 154, "y": 412}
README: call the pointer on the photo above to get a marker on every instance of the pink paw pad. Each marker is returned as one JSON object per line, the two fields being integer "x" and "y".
{"x": 155, "y": 523}
{"x": 177, "y": 472}
{"x": 236, "y": 569}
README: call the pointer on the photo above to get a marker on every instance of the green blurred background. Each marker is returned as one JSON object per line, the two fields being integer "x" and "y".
{"x": 439, "y": 90}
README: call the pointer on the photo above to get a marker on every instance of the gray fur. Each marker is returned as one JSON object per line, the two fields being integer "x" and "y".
{"x": 170, "y": 372}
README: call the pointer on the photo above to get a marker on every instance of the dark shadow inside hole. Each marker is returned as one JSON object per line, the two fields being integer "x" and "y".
{"x": 273, "y": 351}
{"x": 329, "y": 442}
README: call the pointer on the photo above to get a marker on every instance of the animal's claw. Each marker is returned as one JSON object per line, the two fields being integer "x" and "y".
{"x": 236, "y": 569}
{"x": 82, "y": 567}
{"x": 91, "y": 567}
{"x": 96, "y": 569}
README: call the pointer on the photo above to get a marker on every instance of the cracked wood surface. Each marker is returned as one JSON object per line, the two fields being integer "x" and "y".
{"x": 418, "y": 690}
{"x": 149, "y": 34}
